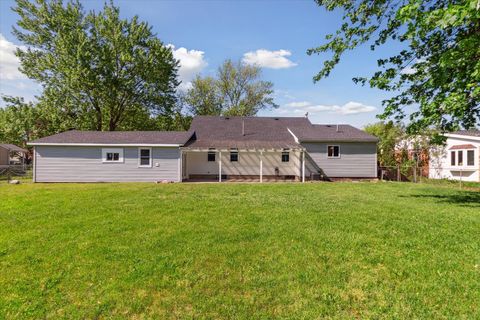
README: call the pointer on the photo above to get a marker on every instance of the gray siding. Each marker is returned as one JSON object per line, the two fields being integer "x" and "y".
{"x": 357, "y": 159}
{"x": 84, "y": 164}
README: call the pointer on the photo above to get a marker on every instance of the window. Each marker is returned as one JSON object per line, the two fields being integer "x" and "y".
{"x": 470, "y": 157}
{"x": 112, "y": 155}
{"x": 460, "y": 158}
{"x": 233, "y": 155}
{"x": 211, "y": 156}
{"x": 144, "y": 157}
{"x": 333, "y": 151}
{"x": 452, "y": 158}
{"x": 285, "y": 155}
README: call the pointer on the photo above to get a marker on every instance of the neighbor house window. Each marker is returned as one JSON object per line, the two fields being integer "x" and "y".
{"x": 452, "y": 158}
{"x": 233, "y": 155}
{"x": 470, "y": 157}
{"x": 285, "y": 155}
{"x": 333, "y": 151}
{"x": 460, "y": 158}
{"x": 112, "y": 155}
{"x": 144, "y": 157}
{"x": 211, "y": 156}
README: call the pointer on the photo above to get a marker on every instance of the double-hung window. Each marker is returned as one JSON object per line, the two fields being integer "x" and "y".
{"x": 470, "y": 157}
{"x": 211, "y": 156}
{"x": 112, "y": 155}
{"x": 460, "y": 158}
{"x": 233, "y": 155}
{"x": 285, "y": 155}
{"x": 453, "y": 158}
{"x": 333, "y": 151}
{"x": 145, "y": 157}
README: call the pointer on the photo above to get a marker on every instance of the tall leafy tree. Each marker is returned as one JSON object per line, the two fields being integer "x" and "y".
{"x": 237, "y": 90}
{"x": 104, "y": 71}
{"x": 20, "y": 121}
{"x": 389, "y": 135}
{"x": 438, "y": 69}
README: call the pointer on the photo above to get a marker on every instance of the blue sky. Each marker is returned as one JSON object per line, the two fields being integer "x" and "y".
{"x": 273, "y": 34}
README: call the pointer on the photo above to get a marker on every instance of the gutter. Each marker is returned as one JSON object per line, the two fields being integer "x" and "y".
{"x": 104, "y": 144}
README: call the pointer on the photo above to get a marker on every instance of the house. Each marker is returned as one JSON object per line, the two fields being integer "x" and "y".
{"x": 215, "y": 148}
{"x": 459, "y": 158}
{"x": 11, "y": 155}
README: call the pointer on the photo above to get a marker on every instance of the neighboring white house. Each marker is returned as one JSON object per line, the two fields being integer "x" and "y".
{"x": 215, "y": 148}
{"x": 459, "y": 158}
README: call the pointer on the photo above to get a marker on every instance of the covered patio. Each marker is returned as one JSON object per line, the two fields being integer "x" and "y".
{"x": 242, "y": 164}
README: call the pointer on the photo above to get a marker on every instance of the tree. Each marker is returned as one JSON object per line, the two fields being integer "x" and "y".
{"x": 20, "y": 121}
{"x": 204, "y": 97}
{"x": 389, "y": 135}
{"x": 236, "y": 91}
{"x": 106, "y": 72}
{"x": 438, "y": 69}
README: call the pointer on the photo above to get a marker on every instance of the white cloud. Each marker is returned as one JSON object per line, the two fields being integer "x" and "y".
{"x": 192, "y": 62}
{"x": 269, "y": 59}
{"x": 9, "y": 63}
{"x": 299, "y": 104}
{"x": 351, "y": 107}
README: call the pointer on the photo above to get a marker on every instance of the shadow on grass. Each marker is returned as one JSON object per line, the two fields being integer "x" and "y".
{"x": 466, "y": 198}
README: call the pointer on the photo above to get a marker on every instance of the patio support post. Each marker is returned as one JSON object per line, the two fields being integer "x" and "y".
{"x": 220, "y": 166}
{"x": 303, "y": 166}
{"x": 261, "y": 166}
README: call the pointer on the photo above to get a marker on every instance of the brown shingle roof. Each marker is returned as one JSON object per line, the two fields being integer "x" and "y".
{"x": 267, "y": 132}
{"x": 471, "y": 133}
{"x": 462, "y": 146}
{"x": 12, "y": 147}
{"x": 223, "y": 132}
{"x": 258, "y": 132}
{"x": 329, "y": 132}
{"x": 116, "y": 137}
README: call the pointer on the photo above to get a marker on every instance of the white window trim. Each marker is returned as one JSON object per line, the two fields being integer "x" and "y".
{"x": 139, "y": 158}
{"x": 466, "y": 158}
{"x": 339, "y": 152}
{"x": 454, "y": 160}
{"x": 112, "y": 150}
{"x": 458, "y": 158}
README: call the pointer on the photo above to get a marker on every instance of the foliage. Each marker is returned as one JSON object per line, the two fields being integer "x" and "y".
{"x": 239, "y": 251}
{"x": 20, "y": 122}
{"x": 106, "y": 72}
{"x": 437, "y": 69}
{"x": 389, "y": 135}
{"x": 236, "y": 91}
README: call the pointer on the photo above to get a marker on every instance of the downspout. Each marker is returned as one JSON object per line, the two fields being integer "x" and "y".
{"x": 180, "y": 174}
{"x": 303, "y": 166}
{"x": 34, "y": 164}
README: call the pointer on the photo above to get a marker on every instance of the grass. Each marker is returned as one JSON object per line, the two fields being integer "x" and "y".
{"x": 239, "y": 251}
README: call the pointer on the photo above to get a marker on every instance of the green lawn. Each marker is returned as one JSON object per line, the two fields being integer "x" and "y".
{"x": 239, "y": 251}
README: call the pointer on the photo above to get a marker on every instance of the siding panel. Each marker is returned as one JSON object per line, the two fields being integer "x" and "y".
{"x": 84, "y": 164}
{"x": 357, "y": 160}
